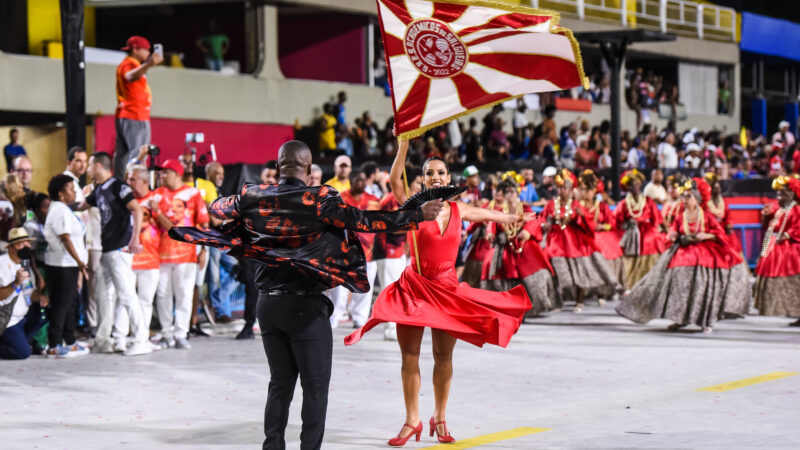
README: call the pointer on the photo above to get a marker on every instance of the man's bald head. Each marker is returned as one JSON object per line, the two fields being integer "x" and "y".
{"x": 294, "y": 160}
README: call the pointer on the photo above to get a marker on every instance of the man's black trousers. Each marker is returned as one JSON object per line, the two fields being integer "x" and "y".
{"x": 297, "y": 337}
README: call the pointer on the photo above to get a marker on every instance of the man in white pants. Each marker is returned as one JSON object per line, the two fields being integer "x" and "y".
{"x": 114, "y": 199}
{"x": 361, "y": 303}
{"x": 390, "y": 251}
{"x": 176, "y": 204}
{"x": 146, "y": 262}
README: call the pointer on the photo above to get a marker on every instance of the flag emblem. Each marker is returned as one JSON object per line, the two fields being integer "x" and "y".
{"x": 434, "y": 48}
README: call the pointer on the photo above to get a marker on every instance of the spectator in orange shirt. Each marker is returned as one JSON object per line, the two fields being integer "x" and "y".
{"x": 359, "y": 307}
{"x": 176, "y": 204}
{"x": 132, "y": 117}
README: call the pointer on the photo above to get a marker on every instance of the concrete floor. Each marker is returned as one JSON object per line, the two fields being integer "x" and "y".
{"x": 592, "y": 380}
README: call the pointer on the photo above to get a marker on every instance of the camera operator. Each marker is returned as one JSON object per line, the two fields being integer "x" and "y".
{"x": 132, "y": 116}
{"x": 20, "y": 302}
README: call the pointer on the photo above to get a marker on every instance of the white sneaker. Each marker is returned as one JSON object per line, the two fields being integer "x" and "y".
{"x": 103, "y": 347}
{"x": 165, "y": 343}
{"x": 155, "y": 347}
{"x": 182, "y": 343}
{"x": 138, "y": 348}
{"x": 121, "y": 345}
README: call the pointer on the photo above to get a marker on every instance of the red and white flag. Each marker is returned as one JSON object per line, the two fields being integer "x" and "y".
{"x": 448, "y": 58}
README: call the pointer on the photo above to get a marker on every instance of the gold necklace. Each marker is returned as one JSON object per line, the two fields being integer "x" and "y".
{"x": 700, "y": 221}
{"x": 512, "y": 228}
{"x": 563, "y": 220}
{"x": 716, "y": 208}
{"x": 635, "y": 205}
{"x": 670, "y": 210}
{"x": 769, "y": 243}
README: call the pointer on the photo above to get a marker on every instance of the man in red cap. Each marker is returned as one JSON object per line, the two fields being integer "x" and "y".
{"x": 133, "y": 102}
{"x": 176, "y": 204}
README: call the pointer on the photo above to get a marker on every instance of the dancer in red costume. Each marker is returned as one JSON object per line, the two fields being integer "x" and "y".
{"x": 606, "y": 234}
{"x": 778, "y": 269}
{"x": 517, "y": 256}
{"x": 639, "y": 217}
{"x": 576, "y": 259}
{"x": 672, "y": 207}
{"x": 719, "y": 209}
{"x": 479, "y": 248}
{"x": 699, "y": 280}
{"x": 428, "y": 295}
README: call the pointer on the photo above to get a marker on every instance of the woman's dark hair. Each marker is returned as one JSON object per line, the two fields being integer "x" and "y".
{"x": 57, "y": 184}
{"x": 507, "y": 184}
{"x": 435, "y": 158}
{"x": 37, "y": 200}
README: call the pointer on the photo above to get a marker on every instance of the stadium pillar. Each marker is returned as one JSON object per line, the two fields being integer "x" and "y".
{"x": 614, "y": 54}
{"x": 74, "y": 71}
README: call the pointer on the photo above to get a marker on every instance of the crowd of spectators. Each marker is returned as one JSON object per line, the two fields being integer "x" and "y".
{"x": 576, "y": 145}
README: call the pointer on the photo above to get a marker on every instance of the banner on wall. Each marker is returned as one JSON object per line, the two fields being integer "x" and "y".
{"x": 449, "y": 58}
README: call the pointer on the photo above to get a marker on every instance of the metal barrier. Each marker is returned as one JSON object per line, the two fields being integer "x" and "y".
{"x": 682, "y": 17}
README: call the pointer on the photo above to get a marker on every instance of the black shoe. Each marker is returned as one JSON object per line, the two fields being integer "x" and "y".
{"x": 197, "y": 331}
{"x": 246, "y": 333}
{"x": 796, "y": 323}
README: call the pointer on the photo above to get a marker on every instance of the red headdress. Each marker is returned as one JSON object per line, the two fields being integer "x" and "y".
{"x": 704, "y": 189}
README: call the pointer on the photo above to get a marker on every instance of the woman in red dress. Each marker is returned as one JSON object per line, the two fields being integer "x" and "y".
{"x": 578, "y": 263}
{"x": 778, "y": 269}
{"x": 517, "y": 257}
{"x": 606, "y": 234}
{"x": 719, "y": 209}
{"x": 479, "y": 247}
{"x": 428, "y": 295}
{"x": 672, "y": 207}
{"x": 699, "y": 280}
{"x": 639, "y": 217}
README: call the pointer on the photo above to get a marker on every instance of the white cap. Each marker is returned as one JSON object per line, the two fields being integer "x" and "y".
{"x": 342, "y": 159}
{"x": 692, "y": 147}
{"x": 783, "y": 124}
{"x": 549, "y": 171}
{"x": 470, "y": 171}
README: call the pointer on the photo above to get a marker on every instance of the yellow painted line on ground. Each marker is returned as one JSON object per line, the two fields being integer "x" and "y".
{"x": 488, "y": 438}
{"x": 748, "y": 382}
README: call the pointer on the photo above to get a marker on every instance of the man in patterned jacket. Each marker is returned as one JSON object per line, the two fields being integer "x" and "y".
{"x": 303, "y": 237}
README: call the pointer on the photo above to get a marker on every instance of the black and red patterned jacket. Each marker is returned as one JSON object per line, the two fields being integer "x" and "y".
{"x": 299, "y": 234}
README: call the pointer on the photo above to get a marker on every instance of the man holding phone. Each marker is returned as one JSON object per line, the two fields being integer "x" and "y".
{"x": 132, "y": 116}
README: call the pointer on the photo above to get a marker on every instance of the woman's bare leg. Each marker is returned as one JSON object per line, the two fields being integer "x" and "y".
{"x": 443, "y": 345}
{"x": 410, "y": 340}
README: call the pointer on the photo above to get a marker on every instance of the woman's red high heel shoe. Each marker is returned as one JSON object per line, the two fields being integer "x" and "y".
{"x": 447, "y": 438}
{"x": 401, "y": 441}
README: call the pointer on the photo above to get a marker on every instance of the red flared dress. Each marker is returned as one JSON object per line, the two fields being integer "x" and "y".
{"x": 436, "y": 299}
{"x": 778, "y": 269}
{"x": 574, "y": 255}
{"x": 723, "y": 216}
{"x": 694, "y": 282}
{"x": 607, "y": 235}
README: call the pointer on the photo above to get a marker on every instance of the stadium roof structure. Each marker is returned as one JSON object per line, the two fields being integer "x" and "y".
{"x": 614, "y": 44}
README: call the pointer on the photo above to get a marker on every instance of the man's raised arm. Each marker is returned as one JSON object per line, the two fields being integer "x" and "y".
{"x": 332, "y": 210}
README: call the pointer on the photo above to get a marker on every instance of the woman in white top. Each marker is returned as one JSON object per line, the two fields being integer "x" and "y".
{"x": 65, "y": 258}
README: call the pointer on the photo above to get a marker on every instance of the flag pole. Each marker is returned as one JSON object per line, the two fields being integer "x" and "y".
{"x": 413, "y": 234}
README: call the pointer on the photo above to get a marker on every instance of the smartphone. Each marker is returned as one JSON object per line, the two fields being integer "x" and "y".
{"x": 158, "y": 48}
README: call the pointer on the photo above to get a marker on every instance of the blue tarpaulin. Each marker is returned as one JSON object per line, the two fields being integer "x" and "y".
{"x": 769, "y": 36}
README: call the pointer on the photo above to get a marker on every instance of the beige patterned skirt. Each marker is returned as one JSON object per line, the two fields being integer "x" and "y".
{"x": 778, "y": 296}
{"x": 688, "y": 295}
{"x": 541, "y": 288}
